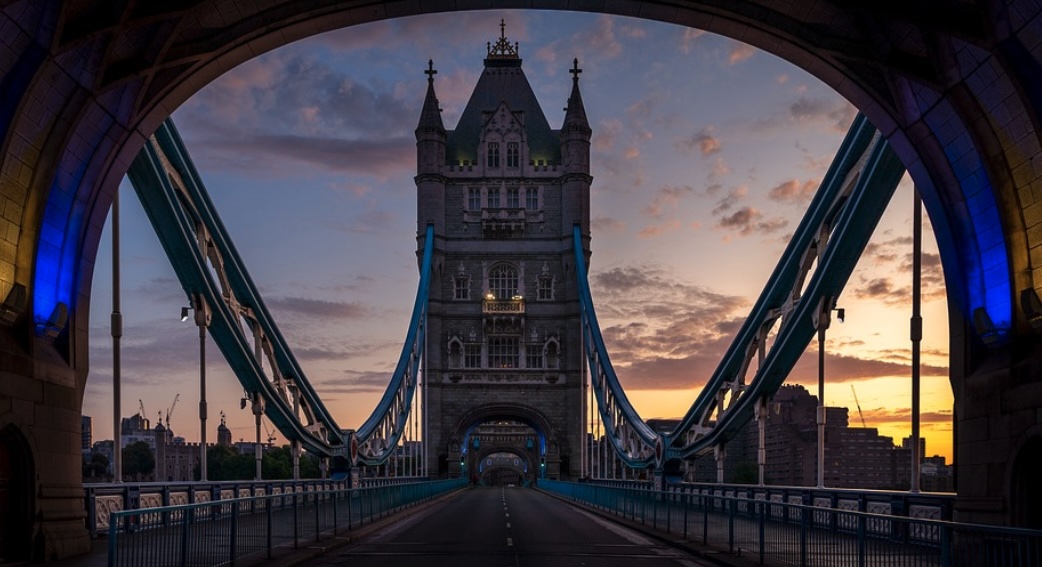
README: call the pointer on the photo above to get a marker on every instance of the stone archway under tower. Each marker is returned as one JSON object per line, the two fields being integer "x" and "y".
{"x": 541, "y": 445}
{"x": 507, "y": 465}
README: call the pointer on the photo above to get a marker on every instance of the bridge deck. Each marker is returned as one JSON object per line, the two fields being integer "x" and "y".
{"x": 508, "y": 526}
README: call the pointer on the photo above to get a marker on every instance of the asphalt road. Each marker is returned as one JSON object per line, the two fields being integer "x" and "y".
{"x": 506, "y": 527}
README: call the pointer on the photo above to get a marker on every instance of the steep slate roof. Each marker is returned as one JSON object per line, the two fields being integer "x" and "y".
{"x": 502, "y": 81}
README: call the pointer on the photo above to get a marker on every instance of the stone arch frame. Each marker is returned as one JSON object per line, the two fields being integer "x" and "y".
{"x": 517, "y": 412}
{"x": 532, "y": 466}
{"x": 922, "y": 85}
{"x": 17, "y": 541}
{"x": 982, "y": 265}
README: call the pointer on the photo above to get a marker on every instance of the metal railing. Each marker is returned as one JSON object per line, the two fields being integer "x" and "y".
{"x": 784, "y": 533}
{"x": 225, "y": 531}
{"x": 101, "y": 500}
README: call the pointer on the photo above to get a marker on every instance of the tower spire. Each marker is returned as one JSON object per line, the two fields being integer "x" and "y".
{"x": 575, "y": 113}
{"x": 502, "y": 48}
{"x": 430, "y": 116}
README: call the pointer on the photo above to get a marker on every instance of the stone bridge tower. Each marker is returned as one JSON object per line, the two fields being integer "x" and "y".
{"x": 503, "y": 191}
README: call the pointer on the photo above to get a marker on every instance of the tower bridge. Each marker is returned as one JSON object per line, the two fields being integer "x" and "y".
{"x": 504, "y": 325}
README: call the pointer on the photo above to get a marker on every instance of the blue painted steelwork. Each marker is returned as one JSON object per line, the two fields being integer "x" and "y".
{"x": 830, "y": 238}
{"x": 208, "y": 265}
{"x": 634, "y": 441}
{"x": 196, "y": 242}
{"x": 378, "y": 436}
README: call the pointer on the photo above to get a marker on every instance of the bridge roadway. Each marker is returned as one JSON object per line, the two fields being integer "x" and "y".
{"x": 502, "y": 527}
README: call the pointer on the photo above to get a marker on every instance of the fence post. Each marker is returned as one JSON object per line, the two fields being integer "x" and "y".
{"x": 804, "y": 526}
{"x": 946, "y": 557}
{"x": 861, "y": 540}
{"x": 318, "y": 515}
{"x": 186, "y": 527}
{"x": 687, "y": 504}
{"x": 234, "y": 531}
{"x": 336, "y": 500}
{"x": 271, "y": 504}
{"x": 763, "y": 522}
{"x": 705, "y": 520}
{"x": 296, "y": 518}
{"x": 732, "y": 505}
{"x": 113, "y": 534}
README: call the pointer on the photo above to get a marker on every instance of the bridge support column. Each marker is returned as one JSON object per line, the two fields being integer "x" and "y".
{"x": 761, "y": 446}
{"x": 720, "y": 453}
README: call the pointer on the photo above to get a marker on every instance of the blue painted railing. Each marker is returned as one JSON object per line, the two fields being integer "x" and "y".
{"x": 264, "y": 527}
{"x": 807, "y": 533}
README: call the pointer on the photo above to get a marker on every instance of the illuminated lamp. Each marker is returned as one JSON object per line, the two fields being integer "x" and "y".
{"x": 56, "y": 322}
{"x": 984, "y": 327}
{"x": 14, "y": 304}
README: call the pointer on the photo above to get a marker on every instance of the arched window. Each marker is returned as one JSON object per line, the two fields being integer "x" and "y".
{"x": 513, "y": 153}
{"x": 502, "y": 281}
{"x": 493, "y": 154}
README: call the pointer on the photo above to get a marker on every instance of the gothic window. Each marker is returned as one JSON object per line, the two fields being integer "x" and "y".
{"x": 513, "y": 155}
{"x": 502, "y": 281}
{"x": 472, "y": 356}
{"x": 546, "y": 288}
{"x": 493, "y": 197}
{"x": 513, "y": 197}
{"x": 461, "y": 288}
{"x": 534, "y": 356}
{"x": 503, "y": 352}
{"x": 493, "y": 154}
{"x": 532, "y": 198}
{"x": 474, "y": 199}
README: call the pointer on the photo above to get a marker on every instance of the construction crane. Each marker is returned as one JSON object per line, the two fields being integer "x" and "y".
{"x": 141, "y": 408}
{"x": 858, "y": 404}
{"x": 170, "y": 411}
{"x": 271, "y": 434}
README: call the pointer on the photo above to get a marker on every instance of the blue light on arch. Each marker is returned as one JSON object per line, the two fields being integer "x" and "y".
{"x": 986, "y": 265}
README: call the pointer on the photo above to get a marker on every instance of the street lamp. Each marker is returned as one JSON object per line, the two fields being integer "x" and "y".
{"x": 202, "y": 320}
{"x": 822, "y": 319}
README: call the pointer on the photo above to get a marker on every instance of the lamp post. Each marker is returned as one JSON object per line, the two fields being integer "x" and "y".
{"x": 916, "y": 329}
{"x": 202, "y": 320}
{"x": 824, "y": 319}
{"x": 117, "y": 334}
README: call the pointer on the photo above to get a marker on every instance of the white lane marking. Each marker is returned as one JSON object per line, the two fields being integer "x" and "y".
{"x": 508, "y": 525}
{"x": 510, "y": 542}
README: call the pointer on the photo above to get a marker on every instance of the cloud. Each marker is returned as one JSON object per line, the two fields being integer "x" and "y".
{"x": 704, "y": 141}
{"x": 374, "y": 157}
{"x": 666, "y": 199}
{"x": 318, "y": 308}
{"x": 356, "y": 382}
{"x": 740, "y": 52}
{"x": 727, "y": 202}
{"x": 605, "y": 135}
{"x": 607, "y": 224}
{"x": 792, "y": 191}
{"x": 748, "y": 220}
{"x": 834, "y": 113}
{"x": 653, "y": 231}
{"x": 688, "y": 39}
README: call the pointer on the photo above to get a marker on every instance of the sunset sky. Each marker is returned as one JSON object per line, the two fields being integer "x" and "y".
{"x": 705, "y": 154}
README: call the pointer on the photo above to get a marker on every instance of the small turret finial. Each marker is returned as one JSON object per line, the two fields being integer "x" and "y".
{"x": 502, "y": 48}
{"x": 503, "y": 28}
{"x": 430, "y": 72}
{"x": 575, "y": 70}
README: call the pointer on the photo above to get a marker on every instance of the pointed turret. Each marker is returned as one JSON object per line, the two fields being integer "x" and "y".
{"x": 431, "y": 141}
{"x": 576, "y": 132}
{"x": 430, "y": 132}
{"x": 430, "y": 116}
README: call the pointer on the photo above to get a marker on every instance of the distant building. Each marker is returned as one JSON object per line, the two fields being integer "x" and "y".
{"x": 224, "y": 435}
{"x": 855, "y": 457}
{"x": 87, "y": 435}
{"x": 136, "y": 428}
